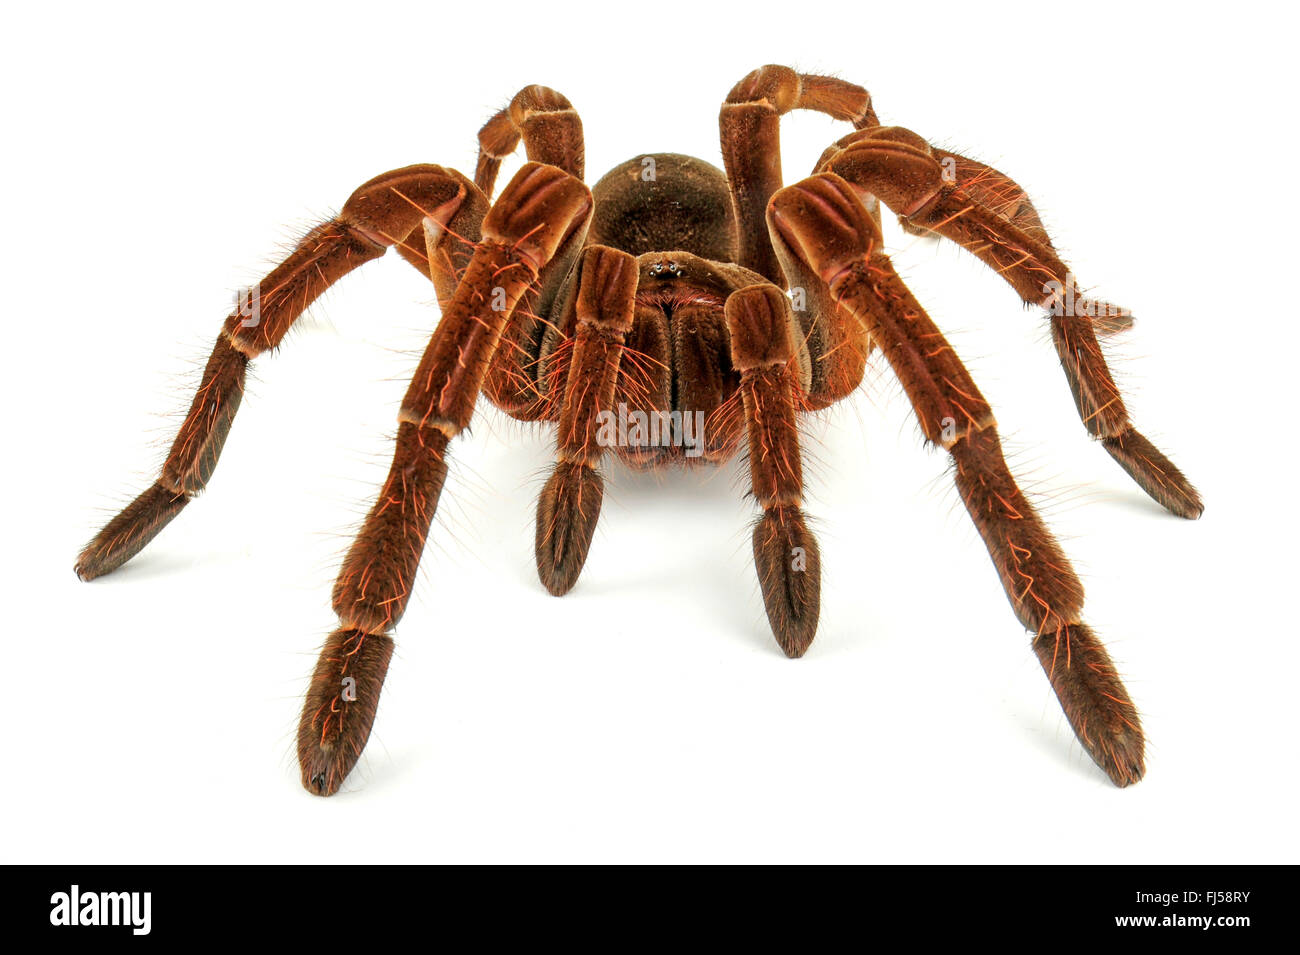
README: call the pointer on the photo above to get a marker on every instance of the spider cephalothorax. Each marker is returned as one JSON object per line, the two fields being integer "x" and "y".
{"x": 669, "y": 314}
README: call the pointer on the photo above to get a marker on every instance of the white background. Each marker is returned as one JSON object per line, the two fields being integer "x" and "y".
{"x": 157, "y": 159}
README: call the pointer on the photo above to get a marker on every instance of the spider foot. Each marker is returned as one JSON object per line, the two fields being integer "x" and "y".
{"x": 1094, "y": 700}
{"x": 1155, "y": 473}
{"x": 566, "y": 521}
{"x": 789, "y": 573}
{"x": 128, "y": 533}
{"x": 340, "y": 707}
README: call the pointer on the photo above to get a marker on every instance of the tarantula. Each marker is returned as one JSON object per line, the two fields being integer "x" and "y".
{"x": 685, "y": 294}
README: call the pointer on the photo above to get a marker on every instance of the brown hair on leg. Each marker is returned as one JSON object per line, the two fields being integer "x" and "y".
{"x": 570, "y": 502}
{"x": 750, "y": 128}
{"x": 547, "y": 123}
{"x": 823, "y": 222}
{"x": 786, "y": 555}
{"x": 374, "y": 217}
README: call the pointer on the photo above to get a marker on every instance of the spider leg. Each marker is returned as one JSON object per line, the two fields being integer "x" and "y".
{"x": 378, "y": 215}
{"x": 750, "y": 124}
{"x": 899, "y": 167}
{"x": 1007, "y": 199}
{"x": 570, "y": 502}
{"x": 823, "y": 223}
{"x": 442, "y": 250}
{"x": 440, "y": 247}
{"x": 551, "y": 132}
{"x": 547, "y": 123}
{"x": 762, "y": 328}
{"x": 541, "y": 216}
{"x": 992, "y": 188}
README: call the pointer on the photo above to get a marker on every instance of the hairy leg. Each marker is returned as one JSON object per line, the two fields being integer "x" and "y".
{"x": 763, "y": 350}
{"x": 899, "y": 167}
{"x": 542, "y": 213}
{"x": 377, "y": 215}
{"x": 823, "y": 222}
{"x": 441, "y": 250}
{"x": 570, "y": 502}
{"x": 750, "y": 126}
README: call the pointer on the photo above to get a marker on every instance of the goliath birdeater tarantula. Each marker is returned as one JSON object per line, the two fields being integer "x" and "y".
{"x": 664, "y": 290}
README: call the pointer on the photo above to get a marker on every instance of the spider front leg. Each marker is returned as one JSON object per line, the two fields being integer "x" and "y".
{"x": 382, "y": 213}
{"x": 822, "y": 227}
{"x": 761, "y": 329}
{"x": 541, "y": 216}
{"x": 899, "y": 167}
{"x": 570, "y": 502}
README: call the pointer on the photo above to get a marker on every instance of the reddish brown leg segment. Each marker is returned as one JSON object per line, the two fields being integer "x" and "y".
{"x": 541, "y": 211}
{"x": 992, "y": 188}
{"x": 340, "y": 707}
{"x": 1094, "y": 700}
{"x": 786, "y": 556}
{"x": 1048, "y": 598}
{"x": 549, "y": 127}
{"x": 130, "y": 531}
{"x": 570, "y": 502}
{"x": 750, "y": 123}
{"x": 377, "y": 215}
{"x": 645, "y": 380}
{"x": 370, "y": 596}
{"x": 1004, "y": 197}
{"x": 823, "y": 222}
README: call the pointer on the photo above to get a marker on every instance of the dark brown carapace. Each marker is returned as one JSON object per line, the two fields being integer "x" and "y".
{"x": 668, "y": 315}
